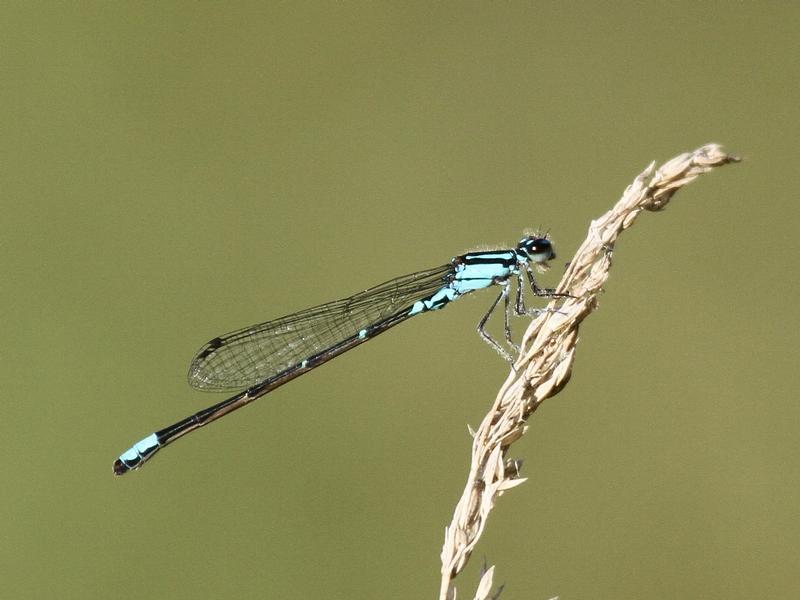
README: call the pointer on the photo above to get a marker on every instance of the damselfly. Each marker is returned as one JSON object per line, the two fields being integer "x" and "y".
{"x": 260, "y": 358}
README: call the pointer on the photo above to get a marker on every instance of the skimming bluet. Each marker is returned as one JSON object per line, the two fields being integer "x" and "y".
{"x": 260, "y": 358}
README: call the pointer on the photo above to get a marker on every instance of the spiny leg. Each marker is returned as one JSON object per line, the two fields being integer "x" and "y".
{"x": 537, "y": 291}
{"x": 506, "y": 311}
{"x": 549, "y": 292}
{"x": 519, "y": 306}
{"x": 482, "y": 324}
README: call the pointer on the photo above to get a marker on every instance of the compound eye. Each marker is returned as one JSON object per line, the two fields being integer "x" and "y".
{"x": 540, "y": 250}
{"x": 540, "y": 245}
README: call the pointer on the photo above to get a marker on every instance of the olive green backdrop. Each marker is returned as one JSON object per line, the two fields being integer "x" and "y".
{"x": 171, "y": 172}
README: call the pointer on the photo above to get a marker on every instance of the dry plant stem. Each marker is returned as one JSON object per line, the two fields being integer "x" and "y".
{"x": 545, "y": 361}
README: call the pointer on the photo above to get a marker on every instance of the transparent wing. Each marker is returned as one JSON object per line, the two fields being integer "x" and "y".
{"x": 246, "y": 357}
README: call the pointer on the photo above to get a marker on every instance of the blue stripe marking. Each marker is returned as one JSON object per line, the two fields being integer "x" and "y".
{"x": 438, "y": 300}
{"x": 479, "y": 276}
{"x": 139, "y": 450}
{"x": 470, "y": 276}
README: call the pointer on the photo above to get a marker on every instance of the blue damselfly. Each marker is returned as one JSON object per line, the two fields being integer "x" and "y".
{"x": 260, "y": 358}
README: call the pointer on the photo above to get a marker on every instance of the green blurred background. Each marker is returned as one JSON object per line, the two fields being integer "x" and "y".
{"x": 172, "y": 172}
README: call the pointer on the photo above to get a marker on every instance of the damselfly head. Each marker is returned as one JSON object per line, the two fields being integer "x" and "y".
{"x": 537, "y": 249}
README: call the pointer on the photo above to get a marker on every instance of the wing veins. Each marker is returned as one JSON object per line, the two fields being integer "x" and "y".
{"x": 248, "y": 356}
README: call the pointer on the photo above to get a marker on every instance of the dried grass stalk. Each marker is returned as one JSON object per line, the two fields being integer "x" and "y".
{"x": 545, "y": 361}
